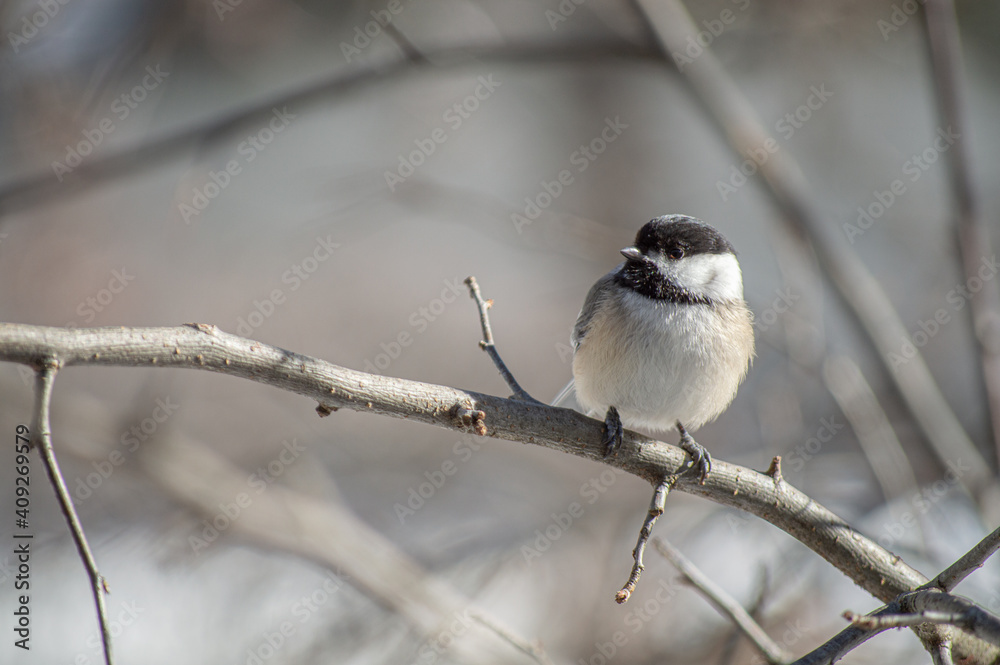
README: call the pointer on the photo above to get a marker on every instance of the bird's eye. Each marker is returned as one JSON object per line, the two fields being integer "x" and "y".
{"x": 675, "y": 253}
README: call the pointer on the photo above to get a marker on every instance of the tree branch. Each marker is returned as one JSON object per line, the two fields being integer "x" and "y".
{"x": 916, "y": 608}
{"x": 45, "y": 377}
{"x": 205, "y": 347}
{"x": 932, "y": 606}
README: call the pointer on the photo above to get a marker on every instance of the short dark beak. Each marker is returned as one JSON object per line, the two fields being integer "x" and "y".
{"x": 632, "y": 254}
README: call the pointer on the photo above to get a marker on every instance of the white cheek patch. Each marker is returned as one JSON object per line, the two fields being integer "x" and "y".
{"x": 715, "y": 276}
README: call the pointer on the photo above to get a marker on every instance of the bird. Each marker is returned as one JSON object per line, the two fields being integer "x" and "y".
{"x": 664, "y": 340}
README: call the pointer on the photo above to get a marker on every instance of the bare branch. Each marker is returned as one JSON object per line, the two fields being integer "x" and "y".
{"x": 969, "y": 616}
{"x": 205, "y": 347}
{"x": 724, "y": 603}
{"x": 904, "y": 611}
{"x": 790, "y": 191}
{"x": 656, "y": 507}
{"x": 915, "y": 609}
{"x": 931, "y": 606}
{"x": 43, "y": 439}
{"x": 487, "y": 344}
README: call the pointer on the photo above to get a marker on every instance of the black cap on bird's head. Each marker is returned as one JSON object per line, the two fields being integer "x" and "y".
{"x": 677, "y": 236}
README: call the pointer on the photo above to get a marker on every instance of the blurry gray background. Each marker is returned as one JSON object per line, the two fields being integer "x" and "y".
{"x": 282, "y": 225}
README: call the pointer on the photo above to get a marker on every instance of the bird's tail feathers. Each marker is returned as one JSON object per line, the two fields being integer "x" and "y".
{"x": 563, "y": 394}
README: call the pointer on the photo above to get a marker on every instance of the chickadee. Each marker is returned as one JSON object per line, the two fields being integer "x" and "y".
{"x": 665, "y": 339}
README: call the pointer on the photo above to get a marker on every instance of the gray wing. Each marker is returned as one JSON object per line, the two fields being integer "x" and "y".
{"x": 599, "y": 292}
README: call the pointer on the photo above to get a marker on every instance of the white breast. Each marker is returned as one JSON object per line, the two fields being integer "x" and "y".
{"x": 667, "y": 363}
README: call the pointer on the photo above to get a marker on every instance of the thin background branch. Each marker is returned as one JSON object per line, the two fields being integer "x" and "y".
{"x": 29, "y": 190}
{"x": 876, "y": 437}
{"x": 327, "y": 533}
{"x": 973, "y": 238}
{"x": 533, "y": 649}
{"x": 724, "y": 603}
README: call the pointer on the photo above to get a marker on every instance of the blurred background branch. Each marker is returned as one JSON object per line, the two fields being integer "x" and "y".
{"x": 973, "y": 239}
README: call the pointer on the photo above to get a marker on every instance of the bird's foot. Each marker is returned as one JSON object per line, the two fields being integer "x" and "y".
{"x": 700, "y": 457}
{"x": 613, "y": 431}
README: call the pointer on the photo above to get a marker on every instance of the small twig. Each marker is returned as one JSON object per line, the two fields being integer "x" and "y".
{"x": 887, "y": 621}
{"x": 656, "y": 507}
{"x": 949, "y": 578}
{"x": 724, "y": 603}
{"x": 970, "y": 617}
{"x": 43, "y": 439}
{"x": 533, "y": 649}
{"x": 489, "y": 347}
